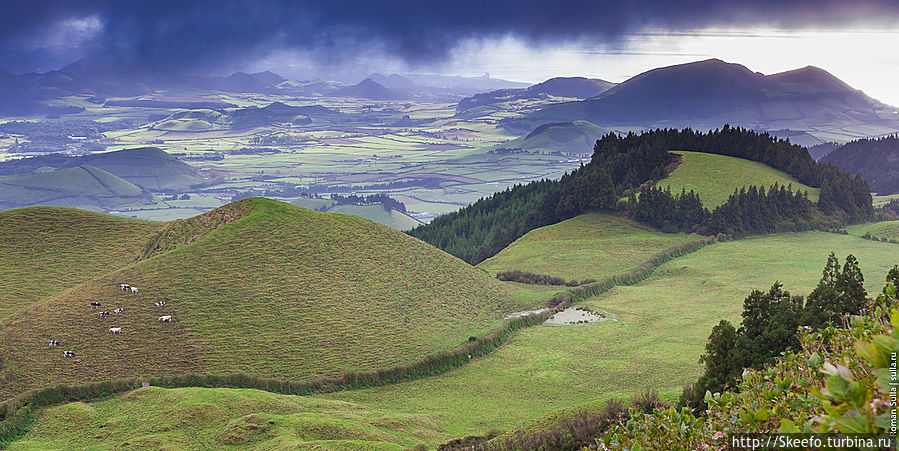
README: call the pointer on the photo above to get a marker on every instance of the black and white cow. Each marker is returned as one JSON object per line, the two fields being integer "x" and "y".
{"x": 133, "y": 289}
{"x": 68, "y": 354}
{"x": 53, "y": 343}
{"x": 125, "y": 286}
{"x": 160, "y": 303}
{"x": 104, "y": 314}
{"x": 166, "y": 318}
{"x": 95, "y": 305}
{"x": 118, "y": 310}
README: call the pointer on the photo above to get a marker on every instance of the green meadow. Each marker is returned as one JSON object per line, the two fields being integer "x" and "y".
{"x": 715, "y": 177}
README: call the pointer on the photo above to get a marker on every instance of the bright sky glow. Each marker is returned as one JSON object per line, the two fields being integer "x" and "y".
{"x": 866, "y": 60}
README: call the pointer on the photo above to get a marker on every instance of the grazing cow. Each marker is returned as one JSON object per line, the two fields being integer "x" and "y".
{"x": 115, "y": 330}
{"x": 133, "y": 289}
{"x": 54, "y": 343}
{"x": 95, "y": 305}
{"x": 166, "y": 318}
{"x": 125, "y": 286}
{"x": 68, "y": 354}
{"x": 104, "y": 314}
{"x": 160, "y": 303}
{"x": 118, "y": 310}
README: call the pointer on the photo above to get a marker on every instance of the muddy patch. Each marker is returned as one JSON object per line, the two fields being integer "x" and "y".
{"x": 579, "y": 315}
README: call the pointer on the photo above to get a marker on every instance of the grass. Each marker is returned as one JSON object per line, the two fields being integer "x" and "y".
{"x": 662, "y": 327}
{"x": 394, "y": 219}
{"x": 274, "y": 290}
{"x": 886, "y": 229}
{"x": 715, "y": 177}
{"x": 203, "y": 418}
{"x": 85, "y": 187}
{"x": 594, "y": 245}
{"x": 46, "y": 250}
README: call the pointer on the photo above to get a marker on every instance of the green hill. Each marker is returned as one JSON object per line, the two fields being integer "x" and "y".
{"x": 261, "y": 287}
{"x": 205, "y": 418}
{"x": 47, "y": 250}
{"x": 394, "y": 219}
{"x": 574, "y": 137}
{"x": 592, "y": 245}
{"x": 148, "y": 167}
{"x": 85, "y": 187}
{"x": 714, "y": 177}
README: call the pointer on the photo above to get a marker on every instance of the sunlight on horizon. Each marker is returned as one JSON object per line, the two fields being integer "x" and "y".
{"x": 859, "y": 58}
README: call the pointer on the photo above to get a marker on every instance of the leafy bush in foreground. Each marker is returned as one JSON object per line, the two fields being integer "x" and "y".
{"x": 838, "y": 381}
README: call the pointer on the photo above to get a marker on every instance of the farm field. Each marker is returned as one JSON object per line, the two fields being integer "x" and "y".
{"x": 590, "y": 246}
{"x": 714, "y": 177}
{"x": 662, "y": 327}
{"x": 324, "y": 293}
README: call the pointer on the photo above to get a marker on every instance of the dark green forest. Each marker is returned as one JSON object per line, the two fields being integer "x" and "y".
{"x": 622, "y": 165}
{"x": 876, "y": 160}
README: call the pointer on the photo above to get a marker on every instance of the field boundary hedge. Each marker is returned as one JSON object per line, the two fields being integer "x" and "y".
{"x": 17, "y": 413}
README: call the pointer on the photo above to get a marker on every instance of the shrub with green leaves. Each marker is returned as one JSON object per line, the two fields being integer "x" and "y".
{"x": 838, "y": 381}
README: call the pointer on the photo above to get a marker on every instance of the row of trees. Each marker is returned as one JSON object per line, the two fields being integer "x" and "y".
{"x": 876, "y": 160}
{"x": 622, "y": 164}
{"x": 482, "y": 229}
{"x": 770, "y": 323}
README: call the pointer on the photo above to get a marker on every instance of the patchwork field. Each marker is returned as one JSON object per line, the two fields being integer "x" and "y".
{"x": 715, "y": 177}
{"x": 321, "y": 293}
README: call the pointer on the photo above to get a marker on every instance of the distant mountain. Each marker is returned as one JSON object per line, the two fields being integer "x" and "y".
{"x": 147, "y": 167}
{"x": 876, "y": 160}
{"x": 280, "y": 112}
{"x": 369, "y": 89}
{"x": 708, "y": 94}
{"x": 85, "y": 187}
{"x": 395, "y": 82}
{"x": 569, "y": 137}
{"x": 578, "y": 87}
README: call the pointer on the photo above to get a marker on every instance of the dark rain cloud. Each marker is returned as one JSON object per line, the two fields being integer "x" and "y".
{"x": 188, "y": 35}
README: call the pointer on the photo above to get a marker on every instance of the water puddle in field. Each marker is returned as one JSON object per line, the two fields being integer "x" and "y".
{"x": 525, "y": 313}
{"x": 579, "y": 315}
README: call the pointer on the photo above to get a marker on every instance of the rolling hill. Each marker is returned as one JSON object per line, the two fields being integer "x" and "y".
{"x": 49, "y": 249}
{"x": 256, "y": 286}
{"x": 569, "y": 137}
{"x": 707, "y": 94}
{"x": 715, "y": 177}
{"x": 148, "y": 167}
{"x": 577, "y": 87}
{"x": 85, "y": 187}
{"x": 875, "y": 160}
{"x": 369, "y": 89}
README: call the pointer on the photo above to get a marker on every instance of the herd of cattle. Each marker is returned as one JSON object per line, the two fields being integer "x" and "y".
{"x": 114, "y": 330}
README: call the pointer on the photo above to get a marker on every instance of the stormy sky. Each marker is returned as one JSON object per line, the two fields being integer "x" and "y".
{"x": 607, "y": 39}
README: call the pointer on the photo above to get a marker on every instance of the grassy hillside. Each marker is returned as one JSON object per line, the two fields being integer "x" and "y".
{"x": 575, "y": 137}
{"x": 714, "y": 177}
{"x": 662, "y": 322}
{"x": 148, "y": 167}
{"x": 394, "y": 219}
{"x": 85, "y": 187}
{"x": 661, "y": 329}
{"x": 593, "y": 245}
{"x": 886, "y": 229}
{"x": 203, "y": 418}
{"x": 274, "y": 289}
{"x": 46, "y": 250}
